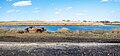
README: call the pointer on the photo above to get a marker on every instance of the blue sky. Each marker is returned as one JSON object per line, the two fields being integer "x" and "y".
{"x": 52, "y": 10}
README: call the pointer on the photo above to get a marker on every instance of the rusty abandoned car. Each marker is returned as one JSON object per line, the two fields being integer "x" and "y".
{"x": 32, "y": 29}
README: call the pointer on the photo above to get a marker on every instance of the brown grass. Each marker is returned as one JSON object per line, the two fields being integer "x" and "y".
{"x": 63, "y": 33}
{"x": 63, "y": 30}
{"x": 3, "y": 31}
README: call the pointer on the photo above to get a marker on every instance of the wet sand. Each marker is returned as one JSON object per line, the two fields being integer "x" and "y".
{"x": 59, "y": 49}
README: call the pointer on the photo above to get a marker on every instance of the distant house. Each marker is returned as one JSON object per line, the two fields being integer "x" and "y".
{"x": 104, "y": 21}
{"x": 66, "y": 20}
{"x": 84, "y": 21}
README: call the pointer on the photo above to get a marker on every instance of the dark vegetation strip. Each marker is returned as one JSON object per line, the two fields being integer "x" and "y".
{"x": 57, "y": 39}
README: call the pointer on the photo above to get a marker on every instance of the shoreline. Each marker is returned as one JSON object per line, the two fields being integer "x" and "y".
{"x": 54, "y": 23}
{"x": 49, "y": 23}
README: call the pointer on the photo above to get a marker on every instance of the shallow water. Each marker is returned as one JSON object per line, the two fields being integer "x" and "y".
{"x": 72, "y": 28}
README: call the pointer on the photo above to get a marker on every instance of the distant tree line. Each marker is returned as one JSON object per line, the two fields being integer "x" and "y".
{"x": 96, "y": 21}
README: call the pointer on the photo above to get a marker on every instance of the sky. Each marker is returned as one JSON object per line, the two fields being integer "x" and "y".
{"x": 57, "y": 10}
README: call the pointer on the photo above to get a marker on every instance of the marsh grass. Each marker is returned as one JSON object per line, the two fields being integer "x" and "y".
{"x": 63, "y": 33}
{"x": 3, "y": 31}
{"x": 63, "y": 30}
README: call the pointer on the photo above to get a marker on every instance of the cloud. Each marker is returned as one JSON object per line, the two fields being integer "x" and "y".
{"x": 57, "y": 12}
{"x": 36, "y": 8}
{"x": 17, "y": 10}
{"x": 22, "y": 3}
{"x": 0, "y": 7}
{"x": 9, "y": 0}
{"x": 58, "y": 9}
{"x": 10, "y": 11}
{"x": 36, "y": 11}
{"x": 80, "y": 14}
{"x": 104, "y": 0}
{"x": 110, "y": 0}
{"x": 68, "y": 8}
{"x": 112, "y": 11}
{"x": 85, "y": 11}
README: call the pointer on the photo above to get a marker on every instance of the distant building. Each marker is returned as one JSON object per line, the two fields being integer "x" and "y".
{"x": 84, "y": 21}
{"x": 66, "y": 20}
{"x": 104, "y": 21}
